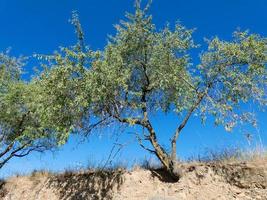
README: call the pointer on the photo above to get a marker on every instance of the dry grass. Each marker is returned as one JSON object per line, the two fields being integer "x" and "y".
{"x": 216, "y": 170}
{"x": 230, "y": 155}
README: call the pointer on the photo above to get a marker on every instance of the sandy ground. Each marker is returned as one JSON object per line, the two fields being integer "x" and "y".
{"x": 217, "y": 181}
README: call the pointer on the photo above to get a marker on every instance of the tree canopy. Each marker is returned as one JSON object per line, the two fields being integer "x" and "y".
{"x": 142, "y": 70}
{"x": 31, "y": 119}
{"x": 17, "y": 124}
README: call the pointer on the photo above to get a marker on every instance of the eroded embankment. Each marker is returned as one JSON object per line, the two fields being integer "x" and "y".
{"x": 201, "y": 181}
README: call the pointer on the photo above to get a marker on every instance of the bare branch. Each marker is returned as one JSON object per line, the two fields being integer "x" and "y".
{"x": 143, "y": 146}
{"x": 95, "y": 125}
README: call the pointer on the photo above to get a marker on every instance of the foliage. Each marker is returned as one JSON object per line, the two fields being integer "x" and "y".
{"x": 234, "y": 73}
{"x": 64, "y": 90}
{"x": 37, "y": 115}
{"x": 141, "y": 71}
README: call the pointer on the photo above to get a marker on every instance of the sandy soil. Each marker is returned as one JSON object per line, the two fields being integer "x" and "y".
{"x": 201, "y": 181}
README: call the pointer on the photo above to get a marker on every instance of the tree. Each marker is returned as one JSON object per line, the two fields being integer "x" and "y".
{"x": 142, "y": 71}
{"x": 30, "y": 119}
{"x": 14, "y": 116}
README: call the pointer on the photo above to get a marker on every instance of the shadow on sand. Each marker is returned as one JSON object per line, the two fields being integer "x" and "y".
{"x": 93, "y": 185}
{"x": 162, "y": 175}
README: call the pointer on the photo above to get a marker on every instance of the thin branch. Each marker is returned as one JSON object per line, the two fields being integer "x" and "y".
{"x": 188, "y": 115}
{"x": 35, "y": 148}
{"x": 109, "y": 160}
{"x": 13, "y": 153}
{"x": 129, "y": 120}
{"x": 9, "y": 147}
{"x": 143, "y": 146}
{"x": 21, "y": 129}
{"x": 95, "y": 125}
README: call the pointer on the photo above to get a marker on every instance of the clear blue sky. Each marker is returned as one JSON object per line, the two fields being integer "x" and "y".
{"x": 31, "y": 26}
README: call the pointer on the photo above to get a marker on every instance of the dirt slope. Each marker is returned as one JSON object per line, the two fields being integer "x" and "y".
{"x": 201, "y": 181}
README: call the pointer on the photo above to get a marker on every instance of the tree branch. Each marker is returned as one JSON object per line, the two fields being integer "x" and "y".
{"x": 142, "y": 145}
{"x": 12, "y": 154}
{"x": 20, "y": 131}
{"x": 95, "y": 125}
{"x": 188, "y": 115}
{"x": 9, "y": 147}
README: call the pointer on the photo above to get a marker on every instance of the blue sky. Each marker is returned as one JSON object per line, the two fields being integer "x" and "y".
{"x": 31, "y": 26}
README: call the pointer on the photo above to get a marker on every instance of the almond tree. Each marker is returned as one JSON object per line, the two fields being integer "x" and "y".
{"x": 143, "y": 70}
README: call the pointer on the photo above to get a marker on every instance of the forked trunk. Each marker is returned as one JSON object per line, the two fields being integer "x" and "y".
{"x": 170, "y": 165}
{"x": 169, "y": 162}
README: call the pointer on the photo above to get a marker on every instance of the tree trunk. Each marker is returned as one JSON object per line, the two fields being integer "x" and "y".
{"x": 169, "y": 162}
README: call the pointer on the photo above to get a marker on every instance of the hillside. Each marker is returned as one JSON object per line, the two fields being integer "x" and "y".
{"x": 202, "y": 181}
